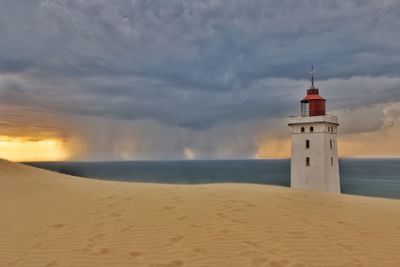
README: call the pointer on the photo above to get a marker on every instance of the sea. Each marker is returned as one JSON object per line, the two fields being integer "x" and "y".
{"x": 369, "y": 177}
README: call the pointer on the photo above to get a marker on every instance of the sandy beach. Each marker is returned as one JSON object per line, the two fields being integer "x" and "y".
{"x": 50, "y": 219}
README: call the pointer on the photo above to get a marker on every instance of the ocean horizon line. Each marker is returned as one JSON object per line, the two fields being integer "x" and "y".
{"x": 192, "y": 160}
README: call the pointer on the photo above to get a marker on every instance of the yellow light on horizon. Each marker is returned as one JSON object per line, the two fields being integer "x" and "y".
{"x": 386, "y": 143}
{"x": 274, "y": 148}
{"x": 26, "y": 149}
{"x": 189, "y": 153}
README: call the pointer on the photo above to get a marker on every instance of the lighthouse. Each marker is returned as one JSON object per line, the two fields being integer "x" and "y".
{"x": 314, "y": 161}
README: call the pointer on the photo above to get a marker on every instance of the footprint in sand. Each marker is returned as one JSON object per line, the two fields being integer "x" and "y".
{"x": 169, "y": 207}
{"x": 297, "y": 233}
{"x": 251, "y": 253}
{"x": 58, "y": 225}
{"x": 126, "y": 229}
{"x": 346, "y": 247}
{"x": 135, "y": 254}
{"x": 259, "y": 261}
{"x": 15, "y": 262}
{"x": 113, "y": 215}
{"x": 297, "y": 265}
{"x": 96, "y": 237}
{"x": 84, "y": 250}
{"x": 200, "y": 251}
{"x": 176, "y": 263}
{"x": 39, "y": 234}
{"x": 97, "y": 211}
{"x": 104, "y": 251}
{"x": 182, "y": 218}
{"x": 278, "y": 263}
{"x": 52, "y": 263}
{"x": 99, "y": 224}
{"x": 252, "y": 244}
{"x": 176, "y": 239}
{"x": 178, "y": 199}
{"x": 108, "y": 198}
{"x": 237, "y": 221}
{"x": 220, "y": 214}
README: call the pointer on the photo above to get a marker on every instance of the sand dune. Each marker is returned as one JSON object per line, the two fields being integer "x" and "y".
{"x": 50, "y": 219}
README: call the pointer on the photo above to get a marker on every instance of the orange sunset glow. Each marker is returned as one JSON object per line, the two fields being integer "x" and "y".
{"x": 386, "y": 143}
{"x": 274, "y": 148}
{"x": 24, "y": 149}
{"x": 356, "y": 145}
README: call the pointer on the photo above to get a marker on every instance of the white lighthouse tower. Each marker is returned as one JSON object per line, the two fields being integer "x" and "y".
{"x": 314, "y": 161}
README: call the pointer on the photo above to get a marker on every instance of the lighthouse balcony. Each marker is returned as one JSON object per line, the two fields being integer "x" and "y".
{"x": 314, "y": 119}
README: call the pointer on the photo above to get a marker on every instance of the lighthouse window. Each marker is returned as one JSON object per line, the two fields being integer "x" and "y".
{"x": 307, "y": 143}
{"x": 307, "y": 161}
{"x": 331, "y": 161}
{"x": 330, "y": 143}
{"x": 302, "y": 129}
{"x": 311, "y": 129}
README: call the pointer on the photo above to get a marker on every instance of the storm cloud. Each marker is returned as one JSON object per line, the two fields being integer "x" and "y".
{"x": 156, "y": 79}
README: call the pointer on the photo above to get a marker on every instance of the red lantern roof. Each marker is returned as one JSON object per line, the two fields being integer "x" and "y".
{"x": 313, "y": 97}
{"x": 312, "y": 104}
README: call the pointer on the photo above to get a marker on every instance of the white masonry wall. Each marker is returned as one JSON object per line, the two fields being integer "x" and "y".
{"x": 323, "y": 172}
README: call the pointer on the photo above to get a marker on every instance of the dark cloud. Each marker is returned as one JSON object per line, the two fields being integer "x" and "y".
{"x": 195, "y": 65}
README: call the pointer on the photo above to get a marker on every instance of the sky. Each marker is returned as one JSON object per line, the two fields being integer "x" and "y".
{"x": 186, "y": 79}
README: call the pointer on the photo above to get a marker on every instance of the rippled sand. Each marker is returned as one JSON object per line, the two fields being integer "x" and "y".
{"x": 50, "y": 219}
